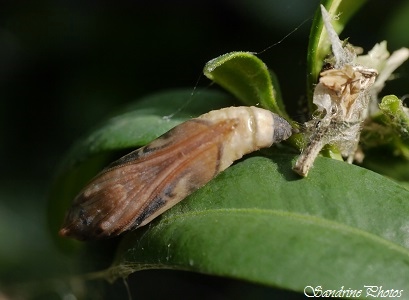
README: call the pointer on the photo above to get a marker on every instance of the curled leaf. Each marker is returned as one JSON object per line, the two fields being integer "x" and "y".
{"x": 247, "y": 77}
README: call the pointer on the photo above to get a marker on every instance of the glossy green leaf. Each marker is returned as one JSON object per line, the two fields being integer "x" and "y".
{"x": 258, "y": 221}
{"x": 319, "y": 45}
{"x": 247, "y": 77}
{"x": 134, "y": 126}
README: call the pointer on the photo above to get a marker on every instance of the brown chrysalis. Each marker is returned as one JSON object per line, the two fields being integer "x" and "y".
{"x": 140, "y": 186}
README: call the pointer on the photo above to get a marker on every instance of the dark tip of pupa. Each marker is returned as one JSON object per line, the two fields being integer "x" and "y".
{"x": 282, "y": 129}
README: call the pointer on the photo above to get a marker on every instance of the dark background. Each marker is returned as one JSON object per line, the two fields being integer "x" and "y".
{"x": 65, "y": 65}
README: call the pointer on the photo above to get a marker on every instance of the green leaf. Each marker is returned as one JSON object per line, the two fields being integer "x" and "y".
{"x": 319, "y": 45}
{"x": 132, "y": 127}
{"x": 258, "y": 221}
{"x": 398, "y": 118}
{"x": 389, "y": 129}
{"x": 247, "y": 77}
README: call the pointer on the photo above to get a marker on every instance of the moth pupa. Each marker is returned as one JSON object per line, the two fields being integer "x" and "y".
{"x": 141, "y": 185}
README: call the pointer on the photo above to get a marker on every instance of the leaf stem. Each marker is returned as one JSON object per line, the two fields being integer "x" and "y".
{"x": 310, "y": 153}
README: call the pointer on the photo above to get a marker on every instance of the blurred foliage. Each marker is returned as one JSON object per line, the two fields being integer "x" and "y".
{"x": 64, "y": 66}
